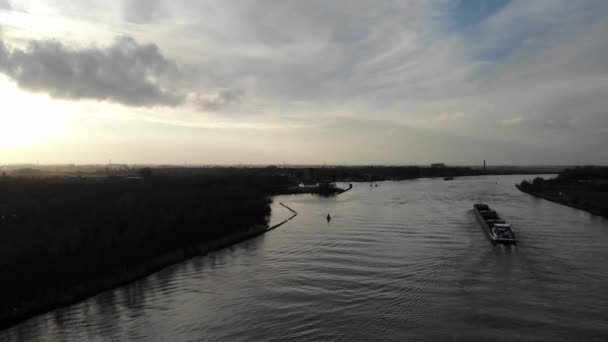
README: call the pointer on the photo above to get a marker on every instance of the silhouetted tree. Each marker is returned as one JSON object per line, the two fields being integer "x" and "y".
{"x": 537, "y": 184}
{"x": 145, "y": 172}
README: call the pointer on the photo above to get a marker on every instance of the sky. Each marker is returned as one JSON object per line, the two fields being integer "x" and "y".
{"x": 304, "y": 82}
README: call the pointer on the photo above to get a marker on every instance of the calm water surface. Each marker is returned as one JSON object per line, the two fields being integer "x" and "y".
{"x": 404, "y": 260}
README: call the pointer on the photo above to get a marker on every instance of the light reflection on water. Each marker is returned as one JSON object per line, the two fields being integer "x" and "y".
{"x": 404, "y": 260}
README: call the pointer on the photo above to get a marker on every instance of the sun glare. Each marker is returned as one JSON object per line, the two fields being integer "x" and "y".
{"x": 28, "y": 118}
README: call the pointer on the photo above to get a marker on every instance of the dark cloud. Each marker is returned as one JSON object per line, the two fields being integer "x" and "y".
{"x": 219, "y": 100}
{"x": 3, "y": 55}
{"x": 142, "y": 11}
{"x": 125, "y": 72}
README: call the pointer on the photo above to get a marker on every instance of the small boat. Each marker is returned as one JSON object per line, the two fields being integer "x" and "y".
{"x": 323, "y": 188}
{"x": 448, "y": 178}
{"x": 498, "y": 230}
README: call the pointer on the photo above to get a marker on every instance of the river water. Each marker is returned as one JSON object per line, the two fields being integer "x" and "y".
{"x": 401, "y": 261}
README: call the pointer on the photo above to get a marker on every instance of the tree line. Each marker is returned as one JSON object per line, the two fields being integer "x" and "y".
{"x": 57, "y": 234}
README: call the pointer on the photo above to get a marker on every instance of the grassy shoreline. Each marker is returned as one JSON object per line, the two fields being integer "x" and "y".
{"x": 82, "y": 292}
{"x": 62, "y": 241}
{"x": 583, "y": 188}
{"x": 561, "y": 201}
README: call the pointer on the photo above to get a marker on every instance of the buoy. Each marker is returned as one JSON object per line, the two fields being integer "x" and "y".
{"x": 328, "y": 217}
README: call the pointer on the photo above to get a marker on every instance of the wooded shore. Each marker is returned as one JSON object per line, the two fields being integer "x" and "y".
{"x": 64, "y": 240}
{"x": 584, "y": 188}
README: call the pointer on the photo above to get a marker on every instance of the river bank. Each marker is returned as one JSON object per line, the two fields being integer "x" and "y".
{"x": 584, "y": 188}
{"x": 63, "y": 240}
{"x": 405, "y": 260}
{"x": 79, "y": 293}
{"x": 564, "y": 200}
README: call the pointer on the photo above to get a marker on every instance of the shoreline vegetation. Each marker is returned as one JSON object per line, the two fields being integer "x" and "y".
{"x": 64, "y": 240}
{"x": 291, "y": 174}
{"x": 70, "y": 232}
{"x": 583, "y": 188}
{"x": 78, "y": 293}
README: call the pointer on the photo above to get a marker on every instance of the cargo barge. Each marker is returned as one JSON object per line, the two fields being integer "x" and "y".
{"x": 497, "y": 229}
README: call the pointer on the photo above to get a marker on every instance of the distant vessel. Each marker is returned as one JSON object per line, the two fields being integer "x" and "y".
{"x": 322, "y": 188}
{"x": 448, "y": 178}
{"x": 498, "y": 230}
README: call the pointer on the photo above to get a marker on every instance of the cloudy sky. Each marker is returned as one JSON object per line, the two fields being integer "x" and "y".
{"x": 304, "y": 82}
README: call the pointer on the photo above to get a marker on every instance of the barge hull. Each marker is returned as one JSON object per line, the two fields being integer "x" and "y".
{"x": 488, "y": 231}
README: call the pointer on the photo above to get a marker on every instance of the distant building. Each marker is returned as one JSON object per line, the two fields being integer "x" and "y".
{"x": 438, "y": 165}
